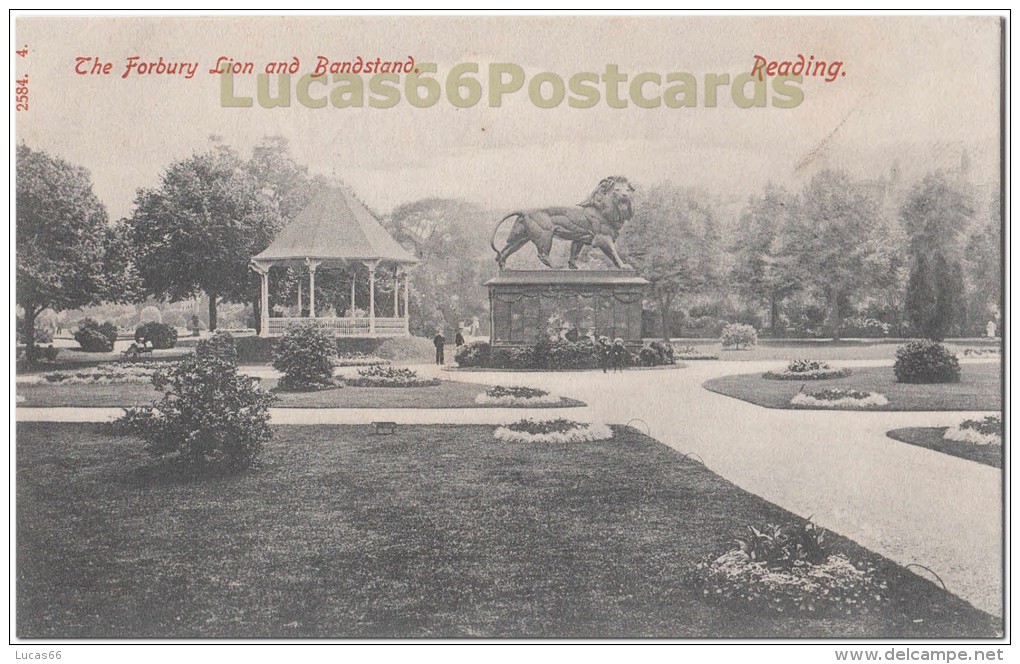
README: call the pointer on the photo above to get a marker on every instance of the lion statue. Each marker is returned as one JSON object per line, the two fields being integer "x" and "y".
{"x": 594, "y": 223}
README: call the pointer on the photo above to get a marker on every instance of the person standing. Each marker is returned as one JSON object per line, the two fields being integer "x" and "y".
{"x": 459, "y": 339}
{"x": 619, "y": 355}
{"x": 438, "y": 341}
{"x": 602, "y": 352}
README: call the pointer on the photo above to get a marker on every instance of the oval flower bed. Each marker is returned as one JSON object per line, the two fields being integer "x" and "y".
{"x": 788, "y": 569}
{"x": 107, "y": 374}
{"x": 559, "y": 430}
{"x": 807, "y": 370}
{"x": 358, "y": 360}
{"x": 499, "y": 395}
{"x": 381, "y": 376}
{"x": 987, "y": 431}
{"x": 835, "y": 397}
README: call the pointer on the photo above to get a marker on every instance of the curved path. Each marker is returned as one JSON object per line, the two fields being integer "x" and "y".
{"x": 907, "y": 503}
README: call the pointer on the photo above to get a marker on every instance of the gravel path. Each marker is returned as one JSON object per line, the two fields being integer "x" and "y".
{"x": 908, "y": 503}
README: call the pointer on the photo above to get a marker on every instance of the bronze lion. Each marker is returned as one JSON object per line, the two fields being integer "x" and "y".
{"x": 596, "y": 222}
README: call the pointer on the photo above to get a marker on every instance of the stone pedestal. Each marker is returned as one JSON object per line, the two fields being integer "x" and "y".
{"x": 526, "y": 304}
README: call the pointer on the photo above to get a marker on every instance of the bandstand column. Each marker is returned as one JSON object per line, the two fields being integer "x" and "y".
{"x": 354, "y": 278}
{"x": 299, "y": 287}
{"x": 396, "y": 294}
{"x": 407, "y": 310}
{"x": 311, "y": 286}
{"x": 371, "y": 265}
{"x": 263, "y": 272}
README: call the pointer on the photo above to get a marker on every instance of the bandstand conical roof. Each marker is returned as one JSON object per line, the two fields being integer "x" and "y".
{"x": 334, "y": 227}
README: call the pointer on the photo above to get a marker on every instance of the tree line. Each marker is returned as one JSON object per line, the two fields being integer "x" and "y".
{"x": 919, "y": 260}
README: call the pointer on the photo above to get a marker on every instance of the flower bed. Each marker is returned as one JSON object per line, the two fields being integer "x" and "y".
{"x": 835, "y": 397}
{"x": 691, "y": 353}
{"x": 987, "y": 431}
{"x": 107, "y": 374}
{"x": 982, "y": 352}
{"x": 516, "y": 396}
{"x": 382, "y": 376}
{"x": 552, "y": 431}
{"x": 358, "y": 360}
{"x": 807, "y": 370}
{"x": 788, "y": 569}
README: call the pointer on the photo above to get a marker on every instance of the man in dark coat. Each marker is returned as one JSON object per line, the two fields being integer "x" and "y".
{"x": 438, "y": 341}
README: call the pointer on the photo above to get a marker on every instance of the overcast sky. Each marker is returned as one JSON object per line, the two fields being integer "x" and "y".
{"x": 915, "y": 88}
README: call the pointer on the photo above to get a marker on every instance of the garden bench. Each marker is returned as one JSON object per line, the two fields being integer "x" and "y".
{"x": 387, "y": 428}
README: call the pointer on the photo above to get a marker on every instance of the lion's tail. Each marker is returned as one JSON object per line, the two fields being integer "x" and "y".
{"x": 492, "y": 240}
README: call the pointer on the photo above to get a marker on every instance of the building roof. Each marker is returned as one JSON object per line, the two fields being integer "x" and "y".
{"x": 567, "y": 278}
{"x": 334, "y": 226}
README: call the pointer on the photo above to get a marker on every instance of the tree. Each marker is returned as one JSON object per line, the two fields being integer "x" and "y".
{"x": 455, "y": 260}
{"x": 197, "y": 231}
{"x": 63, "y": 243}
{"x": 984, "y": 266}
{"x": 762, "y": 269}
{"x": 835, "y": 242}
{"x": 672, "y": 243}
{"x": 935, "y": 215}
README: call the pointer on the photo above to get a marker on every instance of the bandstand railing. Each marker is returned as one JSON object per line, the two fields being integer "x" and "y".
{"x": 345, "y": 327}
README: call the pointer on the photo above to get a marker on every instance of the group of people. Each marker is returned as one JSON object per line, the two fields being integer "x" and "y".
{"x": 611, "y": 354}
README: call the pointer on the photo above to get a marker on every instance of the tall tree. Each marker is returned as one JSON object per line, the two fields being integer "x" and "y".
{"x": 762, "y": 268}
{"x": 455, "y": 260}
{"x": 62, "y": 239}
{"x": 835, "y": 242}
{"x": 984, "y": 266}
{"x": 197, "y": 231}
{"x": 672, "y": 242}
{"x": 935, "y": 216}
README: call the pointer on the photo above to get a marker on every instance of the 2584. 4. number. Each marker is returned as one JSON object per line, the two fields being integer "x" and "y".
{"x": 21, "y": 94}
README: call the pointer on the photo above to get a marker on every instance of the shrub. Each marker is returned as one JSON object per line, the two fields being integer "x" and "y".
{"x": 159, "y": 335}
{"x": 474, "y": 354}
{"x": 208, "y": 417}
{"x": 656, "y": 353}
{"x": 221, "y": 346}
{"x": 305, "y": 355}
{"x": 564, "y": 355}
{"x": 512, "y": 357}
{"x": 95, "y": 338}
{"x": 380, "y": 376}
{"x": 41, "y": 354}
{"x": 926, "y": 361}
{"x": 738, "y": 335}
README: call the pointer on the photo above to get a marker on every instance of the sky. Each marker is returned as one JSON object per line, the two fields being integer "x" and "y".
{"x": 916, "y": 89}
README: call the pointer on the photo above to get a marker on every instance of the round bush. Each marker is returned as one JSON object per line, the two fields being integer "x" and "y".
{"x": 738, "y": 335}
{"x": 95, "y": 338}
{"x": 209, "y": 416}
{"x": 474, "y": 354}
{"x": 926, "y": 361}
{"x": 159, "y": 335}
{"x": 305, "y": 355}
{"x": 221, "y": 346}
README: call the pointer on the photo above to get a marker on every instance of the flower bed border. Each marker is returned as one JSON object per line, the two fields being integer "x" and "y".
{"x": 804, "y": 400}
{"x": 583, "y": 433}
{"x": 817, "y": 374}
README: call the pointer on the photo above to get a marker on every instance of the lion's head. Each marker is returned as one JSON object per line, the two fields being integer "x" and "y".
{"x": 613, "y": 199}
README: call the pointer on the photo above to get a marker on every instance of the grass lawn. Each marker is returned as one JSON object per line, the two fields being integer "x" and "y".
{"x": 448, "y": 394}
{"x": 816, "y": 349}
{"x": 978, "y": 389}
{"x": 931, "y": 437}
{"x": 436, "y": 531}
